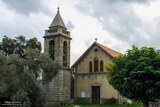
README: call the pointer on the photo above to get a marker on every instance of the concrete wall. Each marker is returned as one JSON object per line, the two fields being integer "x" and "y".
{"x": 84, "y": 84}
{"x": 83, "y": 66}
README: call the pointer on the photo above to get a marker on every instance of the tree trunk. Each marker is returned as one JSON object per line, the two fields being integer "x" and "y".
{"x": 145, "y": 104}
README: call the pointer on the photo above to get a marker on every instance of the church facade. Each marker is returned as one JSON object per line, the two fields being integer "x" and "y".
{"x": 57, "y": 44}
{"x": 91, "y": 84}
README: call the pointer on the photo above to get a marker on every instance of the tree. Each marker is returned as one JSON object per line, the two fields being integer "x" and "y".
{"x": 33, "y": 43}
{"x": 19, "y": 45}
{"x": 19, "y": 77}
{"x": 39, "y": 62}
{"x": 136, "y": 74}
{"x": 8, "y": 45}
{"x": 20, "y": 70}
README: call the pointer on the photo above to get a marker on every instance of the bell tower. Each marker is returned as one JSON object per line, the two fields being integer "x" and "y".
{"x": 57, "y": 44}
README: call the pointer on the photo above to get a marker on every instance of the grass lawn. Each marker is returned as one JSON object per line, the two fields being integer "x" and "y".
{"x": 111, "y": 105}
{"x": 107, "y": 105}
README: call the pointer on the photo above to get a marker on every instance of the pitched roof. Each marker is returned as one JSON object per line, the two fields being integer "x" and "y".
{"x": 109, "y": 51}
{"x": 57, "y": 21}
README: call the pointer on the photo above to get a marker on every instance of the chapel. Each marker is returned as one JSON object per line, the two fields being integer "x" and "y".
{"x": 91, "y": 84}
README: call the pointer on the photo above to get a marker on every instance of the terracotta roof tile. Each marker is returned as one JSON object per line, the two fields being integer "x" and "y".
{"x": 113, "y": 53}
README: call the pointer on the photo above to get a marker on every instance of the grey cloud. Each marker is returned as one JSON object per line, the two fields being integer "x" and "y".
{"x": 70, "y": 25}
{"x": 138, "y": 1}
{"x": 88, "y": 41}
{"x": 120, "y": 21}
{"x": 129, "y": 1}
{"x": 107, "y": 41}
{"x": 118, "y": 18}
{"x": 154, "y": 34}
{"x": 26, "y": 6}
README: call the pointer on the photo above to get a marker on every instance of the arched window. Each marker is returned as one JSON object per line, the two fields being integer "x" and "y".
{"x": 101, "y": 66}
{"x": 52, "y": 49}
{"x": 95, "y": 64}
{"x": 64, "y": 53}
{"x": 90, "y": 66}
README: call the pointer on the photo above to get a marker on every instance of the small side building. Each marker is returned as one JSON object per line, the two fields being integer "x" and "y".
{"x": 91, "y": 84}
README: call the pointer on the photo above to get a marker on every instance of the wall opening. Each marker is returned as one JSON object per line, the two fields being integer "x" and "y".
{"x": 95, "y": 64}
{"x": 52, "y": 49}
{"x": 65, "y": 53}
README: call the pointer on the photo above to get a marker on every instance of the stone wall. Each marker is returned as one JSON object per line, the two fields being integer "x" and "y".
{"x": 58, "y": 90}
{"x": 58, "y": 48}
{"x": 88, "y": 100}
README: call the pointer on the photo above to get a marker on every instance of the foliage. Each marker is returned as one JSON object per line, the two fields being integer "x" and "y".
{"x": 21, "y": 69}
{"x": 39, "y": 62}
{"x": 21, "y": 98}
{"x": 18, "y": 45}
{"x": 8, "y": 45}
{"x": 30, "y": 50}
{"x": 18, "y": 82}
{"x": 136, "y": 74}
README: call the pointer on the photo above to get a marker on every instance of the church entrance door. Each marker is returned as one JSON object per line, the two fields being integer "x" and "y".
{"x": 95, "y": 94}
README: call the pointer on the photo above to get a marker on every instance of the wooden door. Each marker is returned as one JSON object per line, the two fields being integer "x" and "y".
{"x": 95, "y": 94}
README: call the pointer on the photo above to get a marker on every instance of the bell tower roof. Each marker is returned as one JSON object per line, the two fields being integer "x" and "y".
{"x": 57, "y": 28}
{"x": 57, "y": 21}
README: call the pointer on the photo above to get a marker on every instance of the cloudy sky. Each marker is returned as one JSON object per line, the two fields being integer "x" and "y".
{"x": 118, "y": 24}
